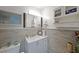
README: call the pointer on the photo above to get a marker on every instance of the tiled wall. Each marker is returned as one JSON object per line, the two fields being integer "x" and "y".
{"x": 58, "y": 40}
{"x": 11, "y": 35}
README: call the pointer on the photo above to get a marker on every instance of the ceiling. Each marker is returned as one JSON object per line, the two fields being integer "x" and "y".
{"x": 40, "y": 7}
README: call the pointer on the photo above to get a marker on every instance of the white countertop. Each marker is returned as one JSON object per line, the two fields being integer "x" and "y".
{"x": 35, "y": 38}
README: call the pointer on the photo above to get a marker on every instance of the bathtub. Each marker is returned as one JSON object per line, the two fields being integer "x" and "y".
{"x": 10, "y": 49}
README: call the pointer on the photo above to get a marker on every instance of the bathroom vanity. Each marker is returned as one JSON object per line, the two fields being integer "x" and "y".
{"x": 36, "y": 44}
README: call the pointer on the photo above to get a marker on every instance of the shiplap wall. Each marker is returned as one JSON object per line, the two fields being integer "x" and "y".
{"x": 58, "y": 40}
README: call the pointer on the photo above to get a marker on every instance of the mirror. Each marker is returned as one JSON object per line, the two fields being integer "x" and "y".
{"x": 32, "y": 20}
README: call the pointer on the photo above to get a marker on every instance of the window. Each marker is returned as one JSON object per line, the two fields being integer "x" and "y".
{"x": 9, "y": 18}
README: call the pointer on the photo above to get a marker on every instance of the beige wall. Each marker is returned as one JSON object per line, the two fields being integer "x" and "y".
{"x": 11, "y": 35}
{"x": 57, "y": 40}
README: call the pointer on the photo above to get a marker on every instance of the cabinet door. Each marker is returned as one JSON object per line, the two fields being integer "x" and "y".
{"x": 34, "y": 47}
{"x": 43, "y": 45}
{"x": 39, "y": 46}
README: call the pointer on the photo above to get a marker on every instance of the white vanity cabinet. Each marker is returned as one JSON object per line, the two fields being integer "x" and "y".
{"x": 37, "y": 45}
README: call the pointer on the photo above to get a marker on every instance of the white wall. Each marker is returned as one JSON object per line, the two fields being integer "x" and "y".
{"x": 33, "y": 10}
{"x": 14, "y": 9}
{"x": 48, "y": 13}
